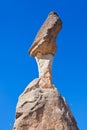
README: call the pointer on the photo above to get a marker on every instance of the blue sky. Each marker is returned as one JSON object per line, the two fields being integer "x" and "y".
{"x": 19, "y": 22}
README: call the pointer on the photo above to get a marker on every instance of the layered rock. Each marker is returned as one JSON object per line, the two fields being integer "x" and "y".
{"x": 45, "y": 41}
{"x": 43, "y": 109}
{"x": 40, "y": 106}
{"x": 44, "y": 48}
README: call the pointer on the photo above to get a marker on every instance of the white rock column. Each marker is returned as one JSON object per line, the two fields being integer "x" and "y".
{"x": 44, "y": 63}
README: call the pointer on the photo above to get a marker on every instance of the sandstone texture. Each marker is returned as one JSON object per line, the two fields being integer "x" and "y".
{"x": 44, "y": 63}
{"x": 40, "y": 106}
{"x": 45, "y": 41}
{"x": 43, "y": 109}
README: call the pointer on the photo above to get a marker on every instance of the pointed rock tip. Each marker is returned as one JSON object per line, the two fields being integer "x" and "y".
{"x": 53, "y": 13}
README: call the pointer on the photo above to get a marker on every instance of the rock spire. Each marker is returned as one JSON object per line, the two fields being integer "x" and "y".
{"x": 44, "y": 48}
{"x": 40, "y": 106}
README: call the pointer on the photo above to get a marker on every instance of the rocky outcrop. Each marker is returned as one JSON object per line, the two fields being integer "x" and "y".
{"x": 44, "y": 48}
{"x": 43, "y": 109}
{"x": 40, "y": 106}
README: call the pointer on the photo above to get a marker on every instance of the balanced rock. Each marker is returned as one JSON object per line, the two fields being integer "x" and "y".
{"x": 44, "y": 42}
{"x": 40, "y": 106}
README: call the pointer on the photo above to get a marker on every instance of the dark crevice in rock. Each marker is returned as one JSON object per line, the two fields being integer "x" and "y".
{"x": 18, "y": 114}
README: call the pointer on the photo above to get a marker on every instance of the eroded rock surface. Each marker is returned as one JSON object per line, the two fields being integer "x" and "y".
{"x": 43, "y": 109}
{"x": 40, "y": 106}
{"x": 45, "y": 41}
{"x": 44, "y": 63}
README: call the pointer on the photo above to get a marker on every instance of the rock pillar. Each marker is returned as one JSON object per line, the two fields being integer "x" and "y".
{"x": 40, "y": 106}
{"x": 44, "y": 48}
{"x": 45, "y": 68}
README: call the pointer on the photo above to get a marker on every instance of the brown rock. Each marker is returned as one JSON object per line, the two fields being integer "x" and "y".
{"x": 40, "y": 106}
{"x": 43, "y": 109}
{"x": 44, "y": 48}
{"x": 44, "y": 42}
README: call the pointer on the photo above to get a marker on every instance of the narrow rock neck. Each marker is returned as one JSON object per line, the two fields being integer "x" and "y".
{"x": 44, "y": 63}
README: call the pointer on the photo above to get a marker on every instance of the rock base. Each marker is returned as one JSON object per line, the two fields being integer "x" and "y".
{"x": 43, "y": 109}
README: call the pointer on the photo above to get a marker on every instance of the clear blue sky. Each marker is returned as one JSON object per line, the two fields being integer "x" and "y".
{"x": 19, "y": 23}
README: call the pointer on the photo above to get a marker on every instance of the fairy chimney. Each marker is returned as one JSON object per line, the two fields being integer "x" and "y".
{"x": 44, "y": 47}
{"x": 40, "y": 106}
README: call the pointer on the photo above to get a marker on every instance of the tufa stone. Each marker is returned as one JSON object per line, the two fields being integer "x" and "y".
{"x": 40, "y": 106}
{"x": 43, "y": 109}
{"x": 45, "y": 41}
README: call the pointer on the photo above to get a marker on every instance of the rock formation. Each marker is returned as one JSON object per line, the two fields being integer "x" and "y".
{"x": 40, "y": 106}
